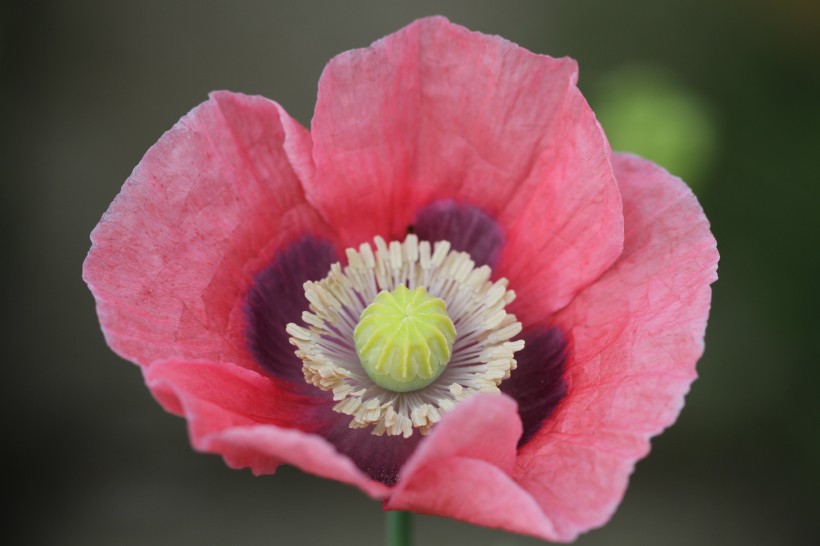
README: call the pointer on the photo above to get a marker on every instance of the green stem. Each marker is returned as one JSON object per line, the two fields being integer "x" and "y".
{"x": 399, "y": 529}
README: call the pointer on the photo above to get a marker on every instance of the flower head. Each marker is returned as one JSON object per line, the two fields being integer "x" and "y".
{"x": 449, "y": 293}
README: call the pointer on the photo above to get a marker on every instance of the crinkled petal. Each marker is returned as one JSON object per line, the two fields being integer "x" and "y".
{"x": 251, "y": 420}
{"x": 435, "y": 112}
{"x": 207, "y": 207}
{"x": 474, "y": 491}
{"x": 483, "y": 427}
{"x": 261, "y": 446}
{"x": 214, "y": 396}
{"x": 462, "y": 470}
{"x": 637, "y": 334}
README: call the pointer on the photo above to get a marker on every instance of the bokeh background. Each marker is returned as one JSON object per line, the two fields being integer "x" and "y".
{"x": 724, "y": 93}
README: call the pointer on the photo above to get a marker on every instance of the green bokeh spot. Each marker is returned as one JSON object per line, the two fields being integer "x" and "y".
{"x": 646, "y": 111}
{"x": 404, "y": 339}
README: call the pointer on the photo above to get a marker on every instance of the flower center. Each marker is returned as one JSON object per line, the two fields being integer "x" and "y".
{"x": 404, "y": 339}
{"x": 403, "y": 334}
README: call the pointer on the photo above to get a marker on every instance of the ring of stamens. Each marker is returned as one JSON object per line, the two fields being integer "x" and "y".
{"x": 482, "y": 354}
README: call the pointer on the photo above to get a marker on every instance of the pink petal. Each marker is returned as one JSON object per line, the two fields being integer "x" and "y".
{"x": 637, "y": 334}
{"x": 263, "y": 446}
{"x": 251, "y": 420}
{"x": 206, "y": 208}
{"x": 484, "y": 427}
{"x": 461, "y": 470}
{"x": 474, "y": 491}
{"x": 436, "y": 112}
{"x": 214, "y": 396}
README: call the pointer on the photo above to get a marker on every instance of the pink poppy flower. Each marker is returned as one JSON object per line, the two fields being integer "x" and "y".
{"x": 548, "y": 399}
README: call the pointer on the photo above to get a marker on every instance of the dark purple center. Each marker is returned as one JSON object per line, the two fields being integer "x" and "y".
{"x": 468, "y": 229}
{"x": 537, "y": 384}
{"x": 277, "y": 298}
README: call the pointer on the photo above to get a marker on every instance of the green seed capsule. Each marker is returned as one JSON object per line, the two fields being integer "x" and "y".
{"x": 404, "y": 339}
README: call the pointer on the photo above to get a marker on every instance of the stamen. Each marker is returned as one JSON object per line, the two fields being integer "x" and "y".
{"x": 482, "y": 354}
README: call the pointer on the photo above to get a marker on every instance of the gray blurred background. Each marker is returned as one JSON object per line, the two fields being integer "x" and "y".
{"x": 724, "y": 93}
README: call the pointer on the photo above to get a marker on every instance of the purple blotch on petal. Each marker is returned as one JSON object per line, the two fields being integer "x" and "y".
{"x": 538, "y": 384}
{"x": 469, "y": 229}
{"x": 277, "y": 298}
{"x": 380, "y": 457}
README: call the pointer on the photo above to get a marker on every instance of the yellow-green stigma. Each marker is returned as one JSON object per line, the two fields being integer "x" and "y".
{"x": 404, "y": 339}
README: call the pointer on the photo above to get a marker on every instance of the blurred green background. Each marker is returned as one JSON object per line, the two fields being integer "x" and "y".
{"x": 724, "y": 93}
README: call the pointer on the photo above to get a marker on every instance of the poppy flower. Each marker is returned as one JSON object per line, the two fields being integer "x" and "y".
{"x": 448, "y": 293}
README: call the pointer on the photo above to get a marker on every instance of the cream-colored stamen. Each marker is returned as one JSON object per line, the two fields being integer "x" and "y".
{"x": 482, "y": 353}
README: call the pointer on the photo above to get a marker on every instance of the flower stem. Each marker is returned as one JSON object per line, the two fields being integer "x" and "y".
{"x": 399, "y": 528}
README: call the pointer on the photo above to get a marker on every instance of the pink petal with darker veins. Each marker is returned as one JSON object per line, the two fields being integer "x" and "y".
{"x": 636, "y": 336}
{"x": 436, "y": 112}
{"x": 462, "y": 470}
{"x": 252, "y": 420}
{"x": 206, "y": 208}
